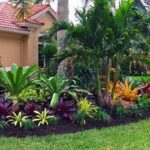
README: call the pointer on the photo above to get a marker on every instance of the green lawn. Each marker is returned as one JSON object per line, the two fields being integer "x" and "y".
{"x": 134, "y": 136}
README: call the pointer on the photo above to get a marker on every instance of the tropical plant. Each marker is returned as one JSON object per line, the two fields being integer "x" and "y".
{"x": 123, "y": 91}
{"x": 85, "y": 109}
{"x": 43, "y": 117}
{"x": 49, "y": 52}
{"x": 81, "y": 118}
{"x": 32, "y": 93}
{"x": 102, "y": 115}
{"x": 113, "y": 91}
{"x": 144, "y": 102}
{"x": 31, "y": 107}
{"x": 99, "y": 26}
{"x": 146, "y": 89}
{"x": 28, "y": 125}
{"x": 121, "y": 112}
{"x": 5, "y": 108}
{"x": 126, "y": 92}
{"x": 17, "y": 79}
{"x": 56, "y": 86}
{"x": 139, "y": 79}
{"x": 23, "y": 10}
{"x": 135, "y": 110}
{"x": 65, "y": 109}
{"x": 3, "y": 125}
{"x": 17, "y": 119}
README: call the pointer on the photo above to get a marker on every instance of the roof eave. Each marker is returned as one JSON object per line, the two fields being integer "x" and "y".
{"x": 29, "y": 24}
{"x": 15, "y": 31}
{"x": 48, "y": 9}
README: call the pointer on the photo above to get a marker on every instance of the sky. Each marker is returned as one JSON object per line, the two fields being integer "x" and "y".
{"x": 73, "y": 4}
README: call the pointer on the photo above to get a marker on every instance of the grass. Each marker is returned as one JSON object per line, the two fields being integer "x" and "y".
{"x": 134, "y": 136}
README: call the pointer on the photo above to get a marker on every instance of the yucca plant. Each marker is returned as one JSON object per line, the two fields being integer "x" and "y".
{"x": 17, "y": 79}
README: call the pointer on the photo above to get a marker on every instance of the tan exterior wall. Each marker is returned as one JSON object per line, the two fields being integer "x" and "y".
{"x": 22, "y": 49}
{"x": 31, "y": 43}
{"x": 10, "y": 49}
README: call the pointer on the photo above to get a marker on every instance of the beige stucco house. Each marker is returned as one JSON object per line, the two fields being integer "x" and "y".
{"x": 19, "y": 39}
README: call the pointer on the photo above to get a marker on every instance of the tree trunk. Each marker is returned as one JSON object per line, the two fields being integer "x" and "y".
{"x": 105, "y": 65}
{"x": 98, "y": 88}
{"x": 63, "y": 14}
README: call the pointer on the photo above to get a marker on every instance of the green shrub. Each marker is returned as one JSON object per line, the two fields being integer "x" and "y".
{"x": 33, "y": 94}
{"x": 53, "y": 120}
{"x": 3, "y": 125}
{"x": 121, "y": 112}
{"x": 102, "y": 115}
{"x": 28, "y": 124}
{"x": 140, "y": 79}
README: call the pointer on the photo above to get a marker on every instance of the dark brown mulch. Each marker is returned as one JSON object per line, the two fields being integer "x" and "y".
{"x": 68, "y": 127}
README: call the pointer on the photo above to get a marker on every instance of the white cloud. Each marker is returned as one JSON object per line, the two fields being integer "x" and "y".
{"x": 73, "y": 4}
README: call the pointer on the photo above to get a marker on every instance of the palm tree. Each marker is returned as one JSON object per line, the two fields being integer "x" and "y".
{"x": 104, "y": 33}
{"x": 63, "y": 15}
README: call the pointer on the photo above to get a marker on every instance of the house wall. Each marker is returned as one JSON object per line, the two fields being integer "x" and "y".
{"x": 31, "y": 43}
{"x": 22, "y": 49}
{"x": 10, "y": 48}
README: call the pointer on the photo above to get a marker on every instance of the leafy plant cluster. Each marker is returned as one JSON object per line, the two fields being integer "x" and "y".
{"x": 32, "y": 100}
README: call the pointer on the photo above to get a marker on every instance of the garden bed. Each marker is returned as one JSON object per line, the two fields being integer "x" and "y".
{"x": 67, "y": 127}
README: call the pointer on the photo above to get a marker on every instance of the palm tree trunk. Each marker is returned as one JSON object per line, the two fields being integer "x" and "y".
{"x": 98, "y": 88}
{"x": 63, "y": 14}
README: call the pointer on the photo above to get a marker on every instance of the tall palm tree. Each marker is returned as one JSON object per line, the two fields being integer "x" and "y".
{"x": 63, "y": 15}
{"x": 103, "y": 32}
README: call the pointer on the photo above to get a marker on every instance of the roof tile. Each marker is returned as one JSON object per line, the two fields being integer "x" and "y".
{"x": 8, "y": 16}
